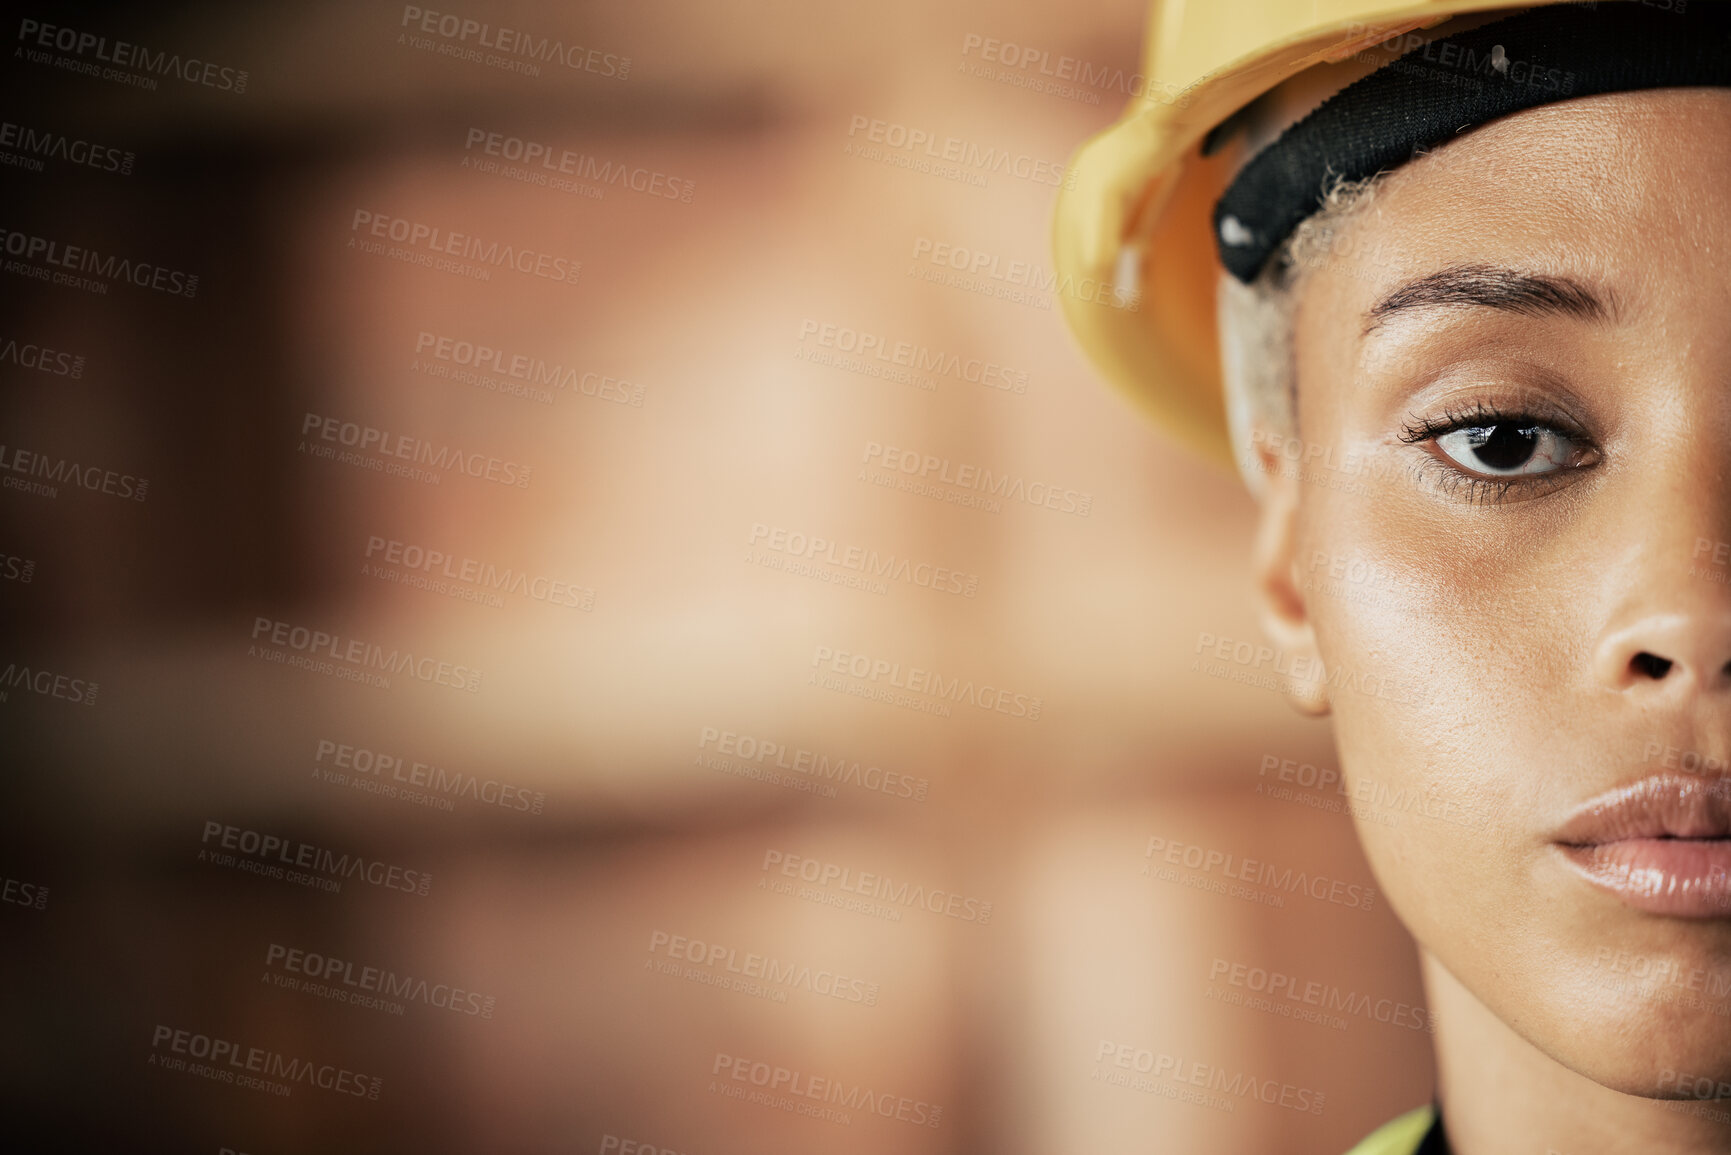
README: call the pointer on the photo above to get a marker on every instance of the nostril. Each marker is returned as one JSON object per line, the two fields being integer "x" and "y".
{"x": 1650, "y": 665}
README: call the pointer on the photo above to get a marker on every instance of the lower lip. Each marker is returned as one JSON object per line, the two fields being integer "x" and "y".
{"x": 1681, "y": 877}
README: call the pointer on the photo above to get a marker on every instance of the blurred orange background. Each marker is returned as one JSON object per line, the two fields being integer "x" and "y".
{"x": 986, "y": 908}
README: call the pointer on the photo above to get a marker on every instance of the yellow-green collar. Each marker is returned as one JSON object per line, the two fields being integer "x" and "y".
{"x": 1399, "y": 1136}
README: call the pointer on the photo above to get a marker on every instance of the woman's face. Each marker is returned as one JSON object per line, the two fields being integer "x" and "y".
{"x": 1506, "y": 539}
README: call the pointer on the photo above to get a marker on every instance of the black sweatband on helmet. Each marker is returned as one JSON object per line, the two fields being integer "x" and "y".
{"x": 1449, "y": 86}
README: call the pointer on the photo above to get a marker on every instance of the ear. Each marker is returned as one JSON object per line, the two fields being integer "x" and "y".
{"x": 1280, "y": 591}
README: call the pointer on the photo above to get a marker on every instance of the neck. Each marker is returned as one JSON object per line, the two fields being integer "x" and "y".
{"x": 1501, "y": 1095}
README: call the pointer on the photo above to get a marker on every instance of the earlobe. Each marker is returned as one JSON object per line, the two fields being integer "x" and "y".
{"x": 1283, "y": 601}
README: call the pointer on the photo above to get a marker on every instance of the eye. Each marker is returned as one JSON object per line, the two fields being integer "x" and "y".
{"x": 1486, "y": 452}
{"x": 1510, "y": 448}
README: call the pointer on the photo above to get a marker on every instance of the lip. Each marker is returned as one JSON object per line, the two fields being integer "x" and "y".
{"x": 1661, "y": 845}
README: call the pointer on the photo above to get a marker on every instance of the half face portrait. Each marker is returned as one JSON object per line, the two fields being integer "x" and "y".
{"x": 1475, "y": 361}
{"x": 1532, "y": 373}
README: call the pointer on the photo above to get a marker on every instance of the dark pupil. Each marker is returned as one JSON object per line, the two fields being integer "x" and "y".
{"x": 1505, "y": 446}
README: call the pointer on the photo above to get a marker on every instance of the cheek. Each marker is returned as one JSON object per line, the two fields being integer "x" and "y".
{"x": 1440, "y": 710}
{"x": 1398, "y": 637}
{"x": 1483, "y": 643}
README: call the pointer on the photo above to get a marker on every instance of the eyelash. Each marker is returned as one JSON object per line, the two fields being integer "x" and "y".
{"x": 1484, "y": 490}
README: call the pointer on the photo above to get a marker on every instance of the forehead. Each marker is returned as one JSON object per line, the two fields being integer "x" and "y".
{"x": 1620, "y": 187}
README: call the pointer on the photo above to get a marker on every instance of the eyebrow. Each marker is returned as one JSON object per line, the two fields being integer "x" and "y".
{"x": 1493, "y": 287}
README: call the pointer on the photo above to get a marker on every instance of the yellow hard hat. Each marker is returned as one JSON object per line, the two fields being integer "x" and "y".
{"x": 1137, "y": 215}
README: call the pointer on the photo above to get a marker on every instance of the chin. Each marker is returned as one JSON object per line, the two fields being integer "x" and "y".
{"x": 1653, "y": 1038}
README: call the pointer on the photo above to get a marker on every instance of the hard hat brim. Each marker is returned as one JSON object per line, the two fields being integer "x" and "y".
{"x": 1136, "y": 214}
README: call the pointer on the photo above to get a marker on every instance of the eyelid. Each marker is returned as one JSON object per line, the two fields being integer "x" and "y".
{"x": 1419, "y": 428}
{"x": 1505, "y": 385}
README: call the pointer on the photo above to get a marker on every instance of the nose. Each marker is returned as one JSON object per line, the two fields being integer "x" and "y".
{"x": 1667, "y": 655}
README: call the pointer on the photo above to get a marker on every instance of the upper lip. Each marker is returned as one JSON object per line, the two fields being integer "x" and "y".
{"x": 1660, "y": 806}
